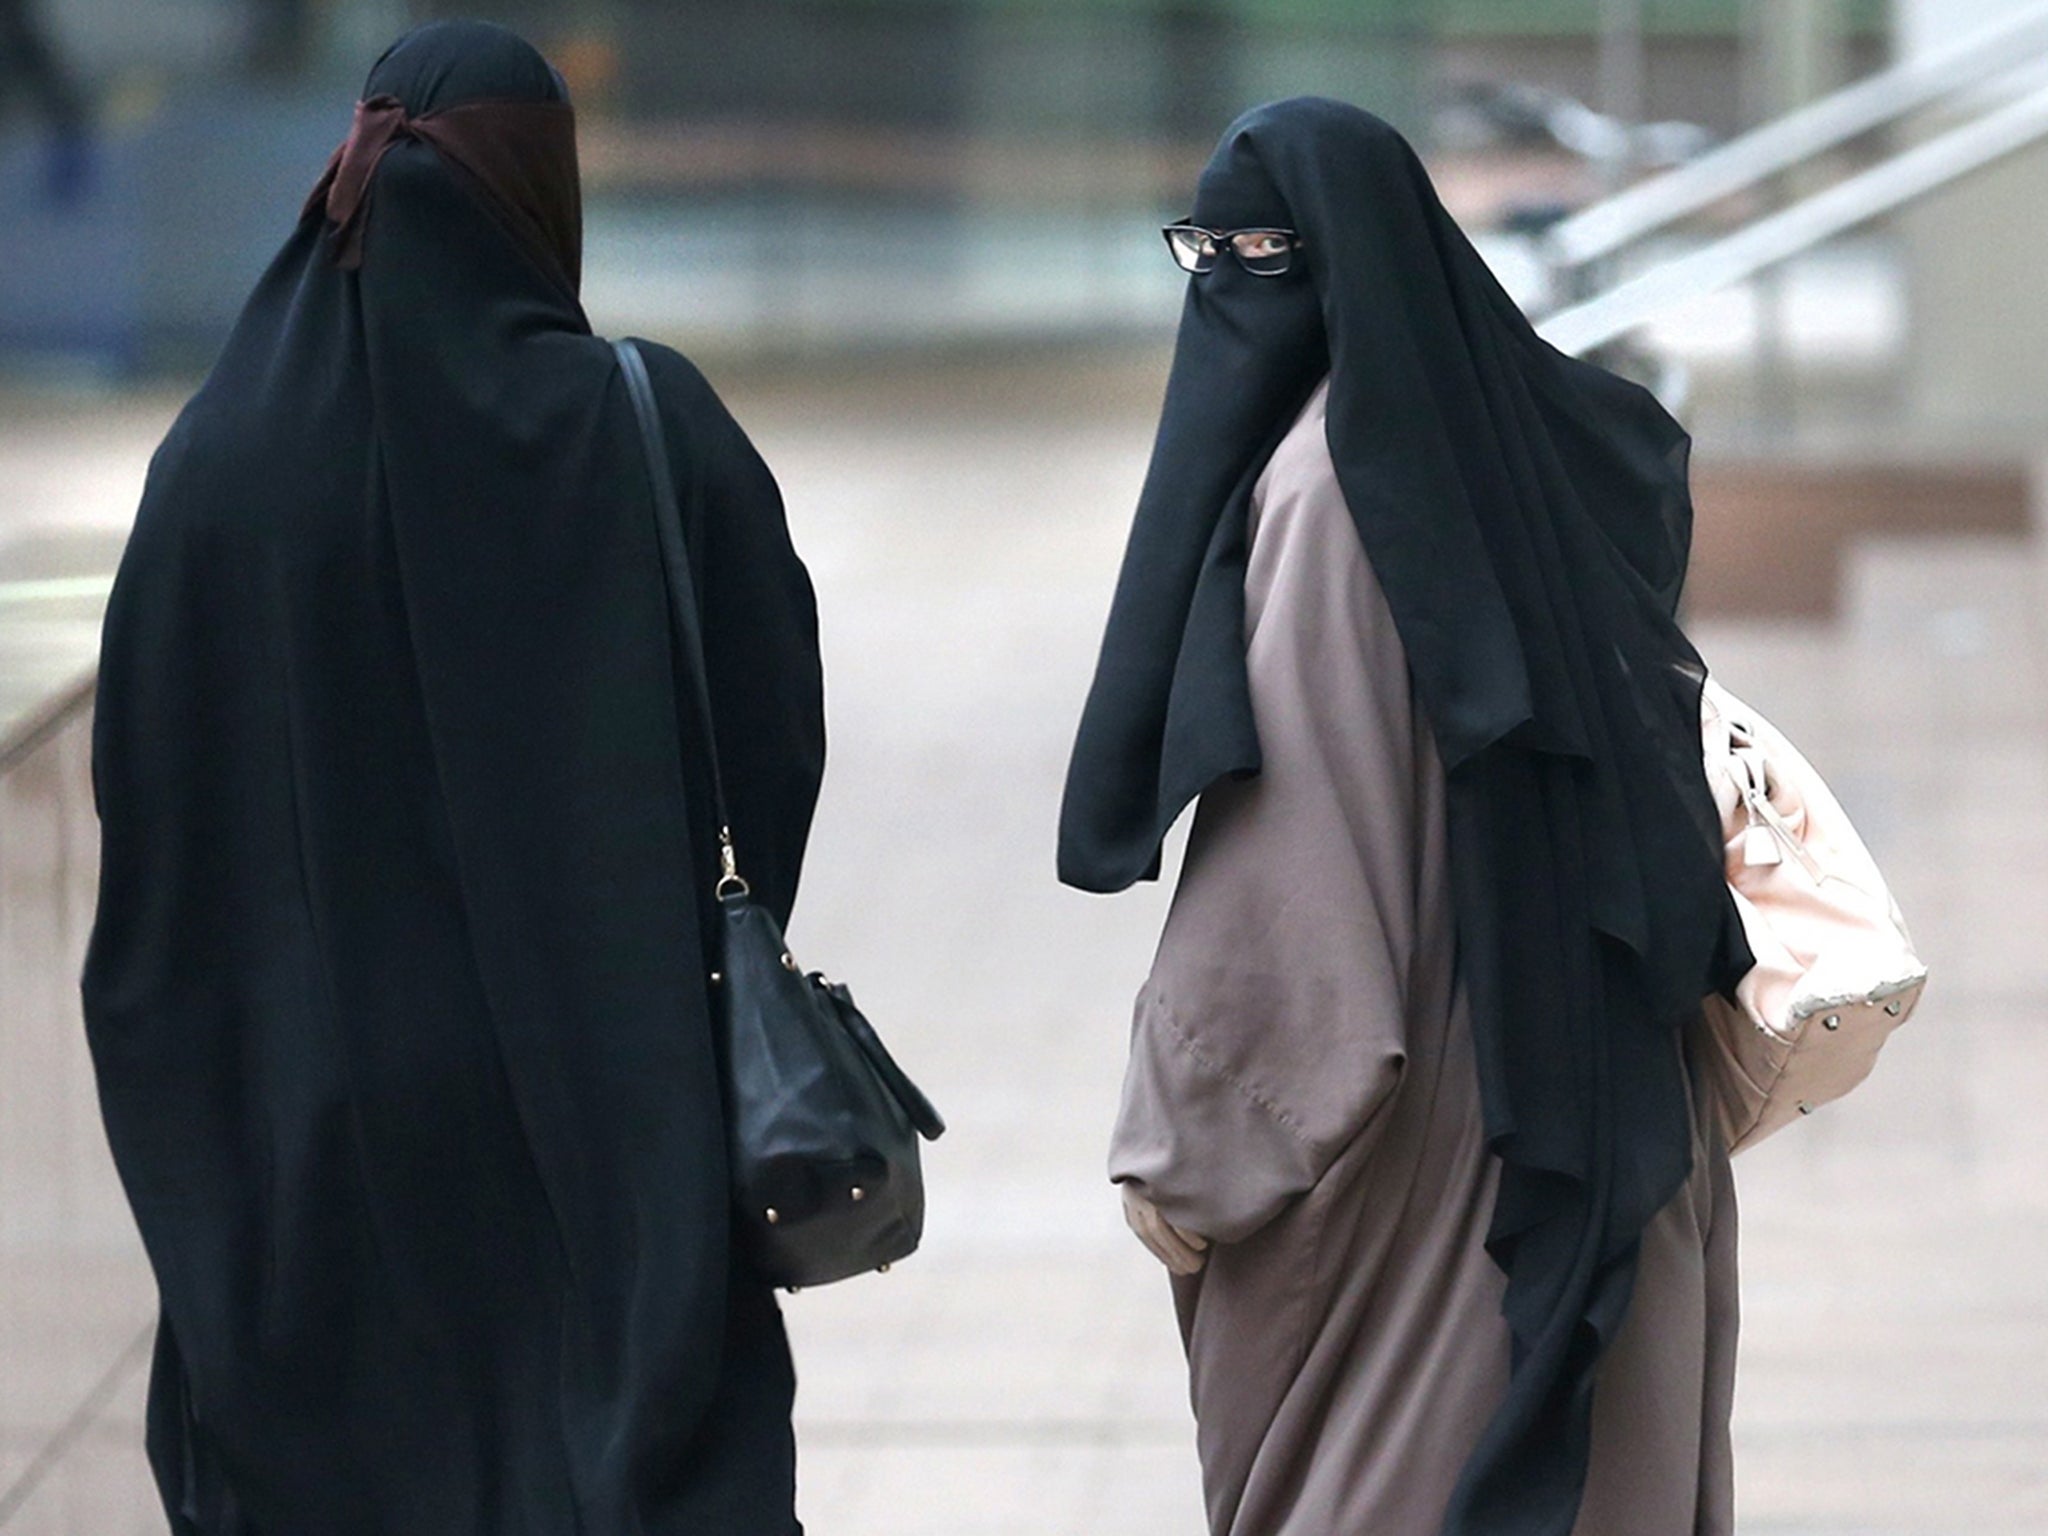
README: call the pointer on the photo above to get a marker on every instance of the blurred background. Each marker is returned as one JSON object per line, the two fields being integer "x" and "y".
{"x": 915, "y": 244}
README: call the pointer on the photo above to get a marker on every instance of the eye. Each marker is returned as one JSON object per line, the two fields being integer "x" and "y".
{"x": 1263, "y": 244}
{"x": 1268, "y": 252}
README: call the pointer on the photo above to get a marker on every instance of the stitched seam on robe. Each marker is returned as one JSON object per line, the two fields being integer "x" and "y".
{"x": 1192, "y": 1049}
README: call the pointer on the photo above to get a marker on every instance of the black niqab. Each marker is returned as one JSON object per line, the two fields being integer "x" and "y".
{"x": 1528, "y": 517}
{"x": 397, "y": 993}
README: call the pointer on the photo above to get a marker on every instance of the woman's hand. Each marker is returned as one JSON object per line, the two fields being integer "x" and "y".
{"x": 1182, "y": 1252}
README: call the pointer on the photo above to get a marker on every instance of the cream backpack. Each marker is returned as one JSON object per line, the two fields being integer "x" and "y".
{"x": 1835, "y": 968}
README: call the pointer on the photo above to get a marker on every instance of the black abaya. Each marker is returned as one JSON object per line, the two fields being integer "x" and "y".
{"x": 398, "y": 989}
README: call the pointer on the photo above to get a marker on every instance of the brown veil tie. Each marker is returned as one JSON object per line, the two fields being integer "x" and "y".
{"x": 521, "y": 153}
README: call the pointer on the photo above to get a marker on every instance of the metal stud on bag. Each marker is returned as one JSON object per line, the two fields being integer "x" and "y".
{"x": 1832, "y": 1021}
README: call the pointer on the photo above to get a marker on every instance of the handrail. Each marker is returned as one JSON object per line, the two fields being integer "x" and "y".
{"x": 1828, "y": 213}
{"x": 55, "y": 711}
{"x": 54, "y": 589}
{"x": 1754, "y": 157}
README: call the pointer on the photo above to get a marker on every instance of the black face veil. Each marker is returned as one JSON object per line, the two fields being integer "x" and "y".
{"x": 1528, "y": 517}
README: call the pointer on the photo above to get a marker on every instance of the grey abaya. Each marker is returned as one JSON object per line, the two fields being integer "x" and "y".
{"x": 1302, "y": 1091}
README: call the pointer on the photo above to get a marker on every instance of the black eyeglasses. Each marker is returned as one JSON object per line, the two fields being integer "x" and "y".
{"x": 1262, "y": 252}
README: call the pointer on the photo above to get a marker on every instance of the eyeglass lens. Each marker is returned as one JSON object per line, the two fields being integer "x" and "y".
{"x": 1267, "y": 252}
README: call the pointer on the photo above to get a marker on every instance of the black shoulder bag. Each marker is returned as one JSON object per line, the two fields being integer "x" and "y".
{"x": 822, "y": 1124}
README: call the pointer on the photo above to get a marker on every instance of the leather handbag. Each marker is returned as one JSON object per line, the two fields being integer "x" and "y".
{"x": 822, "y": 1125}
{"x": 1835, "y": 969}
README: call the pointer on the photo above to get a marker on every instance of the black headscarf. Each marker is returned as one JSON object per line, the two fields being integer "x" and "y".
{"x": 397, "y": 993}
{"x": 1528, "y": 517}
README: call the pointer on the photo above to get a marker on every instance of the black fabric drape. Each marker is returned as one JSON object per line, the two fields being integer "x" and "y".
{"x": 398, "y": 989}
{"x": 1528, "y": 517}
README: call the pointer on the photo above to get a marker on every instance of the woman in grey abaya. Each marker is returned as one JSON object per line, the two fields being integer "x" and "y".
{"x": 1330, "y": 1130}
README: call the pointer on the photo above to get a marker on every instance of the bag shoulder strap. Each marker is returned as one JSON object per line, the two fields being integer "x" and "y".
{"x": 684, "y": 617}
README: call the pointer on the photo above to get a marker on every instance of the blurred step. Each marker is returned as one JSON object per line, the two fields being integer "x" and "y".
{"x": 1770, "y": 537}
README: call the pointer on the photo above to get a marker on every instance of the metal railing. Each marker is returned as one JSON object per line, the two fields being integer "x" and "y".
{"x": 1884, "y": 188}
{"x": 1584, "y": 250}
{"x": 1616, "y": 223}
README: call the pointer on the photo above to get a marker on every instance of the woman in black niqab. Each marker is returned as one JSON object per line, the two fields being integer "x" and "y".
{"x": 398, "y": 989}
{"x": 1528, "y": 518}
